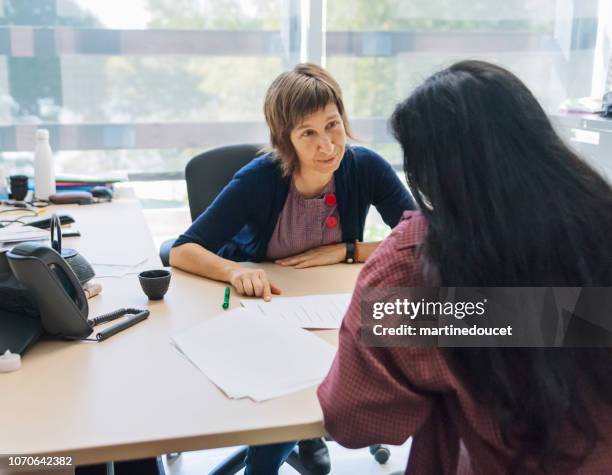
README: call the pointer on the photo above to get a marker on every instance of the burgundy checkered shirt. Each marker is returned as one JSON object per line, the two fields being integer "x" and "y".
{"x": 385, "y": 395}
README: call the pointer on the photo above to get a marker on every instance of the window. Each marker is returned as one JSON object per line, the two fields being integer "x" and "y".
{"x": 381, "y": 50}
{"x": 135, "y": 87}
{"x": 139, "y": 87}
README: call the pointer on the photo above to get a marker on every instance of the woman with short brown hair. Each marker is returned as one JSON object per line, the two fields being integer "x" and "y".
{"x": 302, "y": 204}
{"x": 307, "y": 88}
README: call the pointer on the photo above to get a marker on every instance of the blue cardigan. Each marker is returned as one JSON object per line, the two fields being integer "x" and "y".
{"x": 240, "y": 221}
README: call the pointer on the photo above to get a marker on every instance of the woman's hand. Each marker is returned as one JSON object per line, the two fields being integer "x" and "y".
{"x": 318, "y": 256}
{"x": 253, "y": 282}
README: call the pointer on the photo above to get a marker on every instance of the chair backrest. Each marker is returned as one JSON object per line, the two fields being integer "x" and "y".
{"x": 206, "y": 174}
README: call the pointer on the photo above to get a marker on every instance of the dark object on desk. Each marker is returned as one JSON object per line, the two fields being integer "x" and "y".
{"x": 135, "y": 315}
{"x": 45, "y": 223}
{"x": 55, "y": 288}
{"x": 79, "y": 265}
{"x": 15, "y": 204}
{"x": 59, "y": 296}
{"x": 102, "y": 193}
{"x": 98, "y": 194}
{"x": 606, "y": 106}
{"x": 155, "y": 283}
{"x": 20, "y": 324}
{"x": 72, "y": 197}
{"x": 18, "y": 332}
{"x": 19, "y": 187}
{"x": 76, "y": 261}
{"x": 70, "y": 232}
{"x": 206, "y": 175}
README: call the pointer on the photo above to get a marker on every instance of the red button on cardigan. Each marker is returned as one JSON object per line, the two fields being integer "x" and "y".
{"x": 331, "y": 222}
{"x": 330, "y": 199}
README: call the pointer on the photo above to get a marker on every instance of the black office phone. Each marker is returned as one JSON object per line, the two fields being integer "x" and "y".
{"x": 59, "y": 295}
{"x": 56, "y": 289}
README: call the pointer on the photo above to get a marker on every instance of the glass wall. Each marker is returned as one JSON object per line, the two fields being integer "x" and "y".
{"x": 381, "y": 50}
{"x": 134, "y": 87}
{"x": 138, "y": 87}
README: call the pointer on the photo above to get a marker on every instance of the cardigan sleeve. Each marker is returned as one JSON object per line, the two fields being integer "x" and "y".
{"x": 226, "y": 215}
{"x": 389, "y": 195}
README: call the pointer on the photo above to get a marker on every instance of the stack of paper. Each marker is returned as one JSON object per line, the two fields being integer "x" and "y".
{"x": 132, "y": 266}
{"x": 16, "y": 233}
{"x": 310, "y": 311}
{"x": 19, "y": 233}
{"x": 250, "y": 355}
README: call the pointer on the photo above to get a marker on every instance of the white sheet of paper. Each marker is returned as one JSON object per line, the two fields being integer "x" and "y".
{"x": 250, "y": 355}
{"x": 19, "y": 233}
{"x": 102, "y": 270}
{"x": 310, "y": 311}
{"x": 113, "y": 257}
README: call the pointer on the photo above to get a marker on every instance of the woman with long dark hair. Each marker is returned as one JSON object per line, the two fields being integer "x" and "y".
{"x": 503, "y": 203}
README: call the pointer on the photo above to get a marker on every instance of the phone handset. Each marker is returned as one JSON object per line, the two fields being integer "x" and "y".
{"x": 58, "y": 293}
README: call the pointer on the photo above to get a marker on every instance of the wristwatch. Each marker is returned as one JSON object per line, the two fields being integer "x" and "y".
{"x": 350, "y": 253}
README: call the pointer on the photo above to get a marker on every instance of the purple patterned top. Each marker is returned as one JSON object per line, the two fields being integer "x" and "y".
{"x": 305, "y": 223}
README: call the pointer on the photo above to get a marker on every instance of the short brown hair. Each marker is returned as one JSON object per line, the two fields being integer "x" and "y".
{"x": 294, "y": 94}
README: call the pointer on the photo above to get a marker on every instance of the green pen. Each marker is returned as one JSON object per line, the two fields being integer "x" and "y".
{"x": 226, "y": 298}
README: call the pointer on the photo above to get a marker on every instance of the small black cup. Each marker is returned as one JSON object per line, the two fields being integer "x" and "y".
{"x": 19, "y": 187}
{"x": 155, "y": 283}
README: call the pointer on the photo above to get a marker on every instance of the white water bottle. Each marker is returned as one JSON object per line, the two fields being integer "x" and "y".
{"x": 44, "y": 172}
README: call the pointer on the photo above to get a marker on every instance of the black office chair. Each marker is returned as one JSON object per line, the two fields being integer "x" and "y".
{"x": 206, "y": 175}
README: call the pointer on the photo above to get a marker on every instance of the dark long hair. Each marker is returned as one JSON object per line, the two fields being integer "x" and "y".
{"x": 509, "y": 204}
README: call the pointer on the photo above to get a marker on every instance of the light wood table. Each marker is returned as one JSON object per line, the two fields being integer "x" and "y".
{"x": 134, "y": 395}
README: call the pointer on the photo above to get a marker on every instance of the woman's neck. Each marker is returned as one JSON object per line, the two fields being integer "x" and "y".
{"x": 311, "y": 185}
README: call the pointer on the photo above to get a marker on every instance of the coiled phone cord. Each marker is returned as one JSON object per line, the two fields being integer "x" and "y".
{"x": 135, "y": 315}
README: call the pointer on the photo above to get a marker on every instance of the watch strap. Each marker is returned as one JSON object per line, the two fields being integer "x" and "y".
{"x": 350, "y": 253}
